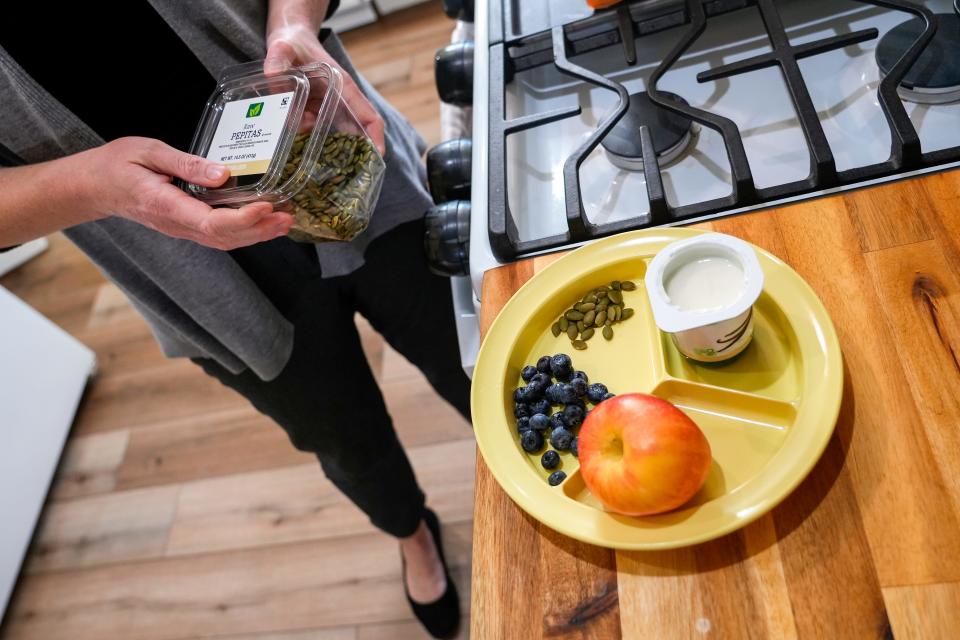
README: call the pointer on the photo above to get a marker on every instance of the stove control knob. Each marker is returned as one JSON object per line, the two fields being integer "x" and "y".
{"x": 448, "y": 170}
{"x": 453, "y": 66}
{"x": 447, "y": 238}
{"x": 459, "y": 9}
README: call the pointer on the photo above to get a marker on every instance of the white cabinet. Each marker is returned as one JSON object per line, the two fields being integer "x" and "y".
{"x": 388, "y": 6}
{"x": 352, "y": 14}
{"x": 43, "y": 372}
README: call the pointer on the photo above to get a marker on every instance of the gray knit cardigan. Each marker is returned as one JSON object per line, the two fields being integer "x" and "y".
{"x": 198, "y": 301}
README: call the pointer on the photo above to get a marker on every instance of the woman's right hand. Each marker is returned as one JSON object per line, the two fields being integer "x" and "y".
{"x": 132, "y": 178}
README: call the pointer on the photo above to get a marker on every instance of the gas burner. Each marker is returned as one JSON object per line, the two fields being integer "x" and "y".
{"x": 935, "y": 76}
{"x": 671, "y": 133}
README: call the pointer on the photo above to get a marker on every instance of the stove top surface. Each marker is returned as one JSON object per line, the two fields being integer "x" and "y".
{"x": 762, "y": 103}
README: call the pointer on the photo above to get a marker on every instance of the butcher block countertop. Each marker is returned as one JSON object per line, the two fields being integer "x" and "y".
{"x": 869, "y": 545}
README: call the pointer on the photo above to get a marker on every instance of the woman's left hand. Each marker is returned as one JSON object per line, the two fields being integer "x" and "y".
{"x": 297, "y": 44}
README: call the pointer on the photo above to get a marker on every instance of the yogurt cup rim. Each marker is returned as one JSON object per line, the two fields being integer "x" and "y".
{"x": 671, "y": 319}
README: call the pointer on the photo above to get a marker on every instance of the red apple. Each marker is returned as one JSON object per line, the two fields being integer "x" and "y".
{"x": 640, "y": 455}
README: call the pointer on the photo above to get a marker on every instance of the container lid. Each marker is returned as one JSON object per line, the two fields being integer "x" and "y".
{"x": 671, "y": 318}
{"x": 249, "y": 126}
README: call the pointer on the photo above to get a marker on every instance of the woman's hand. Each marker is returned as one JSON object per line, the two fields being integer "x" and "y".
{"x": 292, "y": 41}
{"x": 131, "y": 178}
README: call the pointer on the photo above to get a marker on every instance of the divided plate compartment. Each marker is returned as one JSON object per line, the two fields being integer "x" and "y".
{"x": 767, "y": 414}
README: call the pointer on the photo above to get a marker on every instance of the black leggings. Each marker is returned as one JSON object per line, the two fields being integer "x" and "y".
{"x": 326, "y": 398}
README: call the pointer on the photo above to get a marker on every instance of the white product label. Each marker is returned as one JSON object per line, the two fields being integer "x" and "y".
{"x": 248, "y": 133}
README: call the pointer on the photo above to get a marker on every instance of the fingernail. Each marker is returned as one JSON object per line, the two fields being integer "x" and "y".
{"x": 215, "y": 172}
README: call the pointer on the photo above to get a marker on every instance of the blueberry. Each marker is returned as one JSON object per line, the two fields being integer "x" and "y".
{"x": 596, "y": 391}
{"x": 522, "y": 409}
{"x": 540, "y": 422}
{"x": 540, "y": 406}
{"x": 575, "y": 447}
{"x": 541, "y": 380}
{"x": 561, "y": 367}
{"x": 531, "y": 441}
{"x": 532, "y": 393}
{"x": 528, "y": 372}
{"x": 561, "y": 439}
{"x": 579, "y": 385}
{"x": 579, "y": 403}
{"x": 554, "y": 393}
{"x": 523, "y": 424}
{"x": 567, "y": 394}
{"x": 556, "y": 478}
{"x": 543, "y": 365}
{"x": 557, "y": 421}
{"x": 520, "y": 394}
{"x": 582, "y": 375}
{"x": 609, "y": 395}
{"x": 573, "y": 415}
{"x": 550, "y": 459}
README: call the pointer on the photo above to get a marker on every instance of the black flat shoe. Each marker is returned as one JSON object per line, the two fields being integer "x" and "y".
{"x": 441, "y": 618}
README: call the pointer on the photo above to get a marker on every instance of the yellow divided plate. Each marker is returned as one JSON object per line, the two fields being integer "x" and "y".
{"x": 768, "y": 414}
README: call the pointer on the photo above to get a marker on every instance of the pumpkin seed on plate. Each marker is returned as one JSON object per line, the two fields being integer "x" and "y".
{"x": 600, "y": 308}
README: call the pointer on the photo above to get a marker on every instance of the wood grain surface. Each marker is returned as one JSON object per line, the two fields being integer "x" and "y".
{"x": 868, "y": 546}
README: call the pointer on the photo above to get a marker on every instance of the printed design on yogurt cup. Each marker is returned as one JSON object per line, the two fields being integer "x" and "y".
{"x": 734, "y": 336}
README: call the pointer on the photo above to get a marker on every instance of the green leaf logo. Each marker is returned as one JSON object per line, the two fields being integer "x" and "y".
{"x": 255, "y": 109}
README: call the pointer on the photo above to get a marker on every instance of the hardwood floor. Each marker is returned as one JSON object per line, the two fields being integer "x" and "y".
{"x": 179, "y": 512}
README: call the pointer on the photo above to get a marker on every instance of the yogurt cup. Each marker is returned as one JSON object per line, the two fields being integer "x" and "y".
{"x": 702, "y": 291}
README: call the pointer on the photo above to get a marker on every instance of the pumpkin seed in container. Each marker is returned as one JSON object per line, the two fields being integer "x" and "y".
{"x": 290, "y": 139}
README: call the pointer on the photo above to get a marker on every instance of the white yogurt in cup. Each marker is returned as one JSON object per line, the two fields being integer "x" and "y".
{"x": 702, "y": 292}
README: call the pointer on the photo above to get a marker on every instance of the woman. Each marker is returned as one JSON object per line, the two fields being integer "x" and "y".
{"x": 268, "y": 317}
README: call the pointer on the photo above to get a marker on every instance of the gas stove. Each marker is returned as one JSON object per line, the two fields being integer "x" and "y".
{"x": 664, "y": 112}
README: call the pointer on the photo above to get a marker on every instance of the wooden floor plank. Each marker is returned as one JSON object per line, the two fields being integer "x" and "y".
{"x": 342, "y": 633}
{"x": 924, "y": 612}
{"x": 409, "y": 630}
{"x": 89, "y": 465}
{"x": 298, "y": 503}
{"x": 173, "y": 389}
{"x": 213, "y": 444}
{"x": 418, "y": 416}
{"x": 333, "y": 583}
{"x": 105, "y": 529}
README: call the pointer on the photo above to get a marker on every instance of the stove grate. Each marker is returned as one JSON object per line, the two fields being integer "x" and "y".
{"x": 618, "y": 26}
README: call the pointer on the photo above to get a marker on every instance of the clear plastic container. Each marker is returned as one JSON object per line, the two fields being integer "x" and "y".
{"x": 289, "y": 139}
